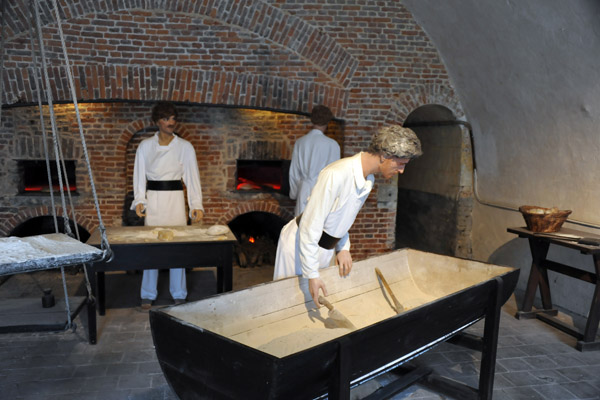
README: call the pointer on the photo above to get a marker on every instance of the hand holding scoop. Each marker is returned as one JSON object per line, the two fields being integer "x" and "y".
{"x": 335, "y": 319}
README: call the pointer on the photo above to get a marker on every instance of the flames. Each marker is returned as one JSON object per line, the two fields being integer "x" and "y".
{"x": 72, "y": 188}
{"x": 247, "y": 184}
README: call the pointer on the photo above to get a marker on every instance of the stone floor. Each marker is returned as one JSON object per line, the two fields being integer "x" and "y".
{"x": 534, "y": 361}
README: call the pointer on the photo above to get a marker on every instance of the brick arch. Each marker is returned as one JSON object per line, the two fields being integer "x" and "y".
{"x": 256, "y": 16}
{"x": 40, "y": 211}
{"x": 135, "y": 126}
{"x": 271, "y": 24}
{"x": 444, "y": 96}
{"x": 270, "y": 206}
{"x": 183, "y": 85}
{"x": 419, "y": 96}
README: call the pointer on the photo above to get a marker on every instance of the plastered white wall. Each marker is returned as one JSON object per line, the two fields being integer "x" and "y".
{"x": 528, "y": 77}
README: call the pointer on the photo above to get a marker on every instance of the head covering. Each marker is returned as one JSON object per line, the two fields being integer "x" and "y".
{"x": 321, "y": 115}
{"x": 396, "y": 141}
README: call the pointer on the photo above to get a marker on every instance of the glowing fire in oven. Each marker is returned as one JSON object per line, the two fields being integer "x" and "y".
{"x": 262, "y": 175}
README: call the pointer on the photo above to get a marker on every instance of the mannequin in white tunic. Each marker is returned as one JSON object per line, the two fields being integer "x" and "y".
{"x": 312, "y": 152}
{"x": 161, "y": 162}
{"x": 337, "y": 197}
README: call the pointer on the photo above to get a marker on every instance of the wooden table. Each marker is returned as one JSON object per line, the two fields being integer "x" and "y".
{"x": 538, "y": 277}
{"x": 138, "y": 248}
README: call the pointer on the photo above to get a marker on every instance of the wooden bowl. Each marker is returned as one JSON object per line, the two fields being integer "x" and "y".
{"x": 541, "y": 219}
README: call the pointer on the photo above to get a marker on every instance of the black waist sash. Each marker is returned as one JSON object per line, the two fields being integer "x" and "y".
{"x": 327, "y": 241}
{"x": 164, "y": 185}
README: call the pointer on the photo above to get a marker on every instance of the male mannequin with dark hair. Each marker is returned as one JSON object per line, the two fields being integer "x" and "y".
{"x": 312, "y": 152}
{"x": 162, "y": 162}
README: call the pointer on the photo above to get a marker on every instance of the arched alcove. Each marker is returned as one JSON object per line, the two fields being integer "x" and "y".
{"x": 430, "y": 215}
{"x": 45, "y": 224}
{"x": 257, "y": 233}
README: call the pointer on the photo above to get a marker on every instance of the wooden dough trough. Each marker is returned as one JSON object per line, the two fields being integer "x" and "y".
{"x": 269, "y": 341}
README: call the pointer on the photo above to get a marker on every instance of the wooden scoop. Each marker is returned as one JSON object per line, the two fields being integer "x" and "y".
{"x": 335, "y": 319}
{"x": 397, "y": 304}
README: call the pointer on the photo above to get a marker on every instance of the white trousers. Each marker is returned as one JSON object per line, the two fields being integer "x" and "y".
{"x": 177, "y": 285}
{"x": 171, "y": 213}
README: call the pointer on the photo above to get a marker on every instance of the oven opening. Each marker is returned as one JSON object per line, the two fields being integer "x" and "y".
{"x": 262, "y": 176}
{"x": 34, "y": 177}
{"x": 257, "y": 233}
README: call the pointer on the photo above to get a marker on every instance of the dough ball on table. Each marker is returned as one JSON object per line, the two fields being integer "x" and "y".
{"x": 217, "y": 230}
{"x": 165, "y": 234}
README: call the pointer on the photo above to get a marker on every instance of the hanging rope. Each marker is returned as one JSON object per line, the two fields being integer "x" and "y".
{"x": 44, "y": 84}
{"x": 48, "y": 90}
{"x": 50, "y": 101}
{"x": 62, "y": 158}
{"x": 104, "y": 240}
{"x": 42, "y": 122}
{"x": 2, "y": 60}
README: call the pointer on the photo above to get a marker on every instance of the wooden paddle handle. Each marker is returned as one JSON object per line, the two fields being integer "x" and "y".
{"x": 397, "y": 304}
{"x": 325, "y": 302}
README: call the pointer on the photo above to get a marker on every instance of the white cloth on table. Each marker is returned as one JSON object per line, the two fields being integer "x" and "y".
{"x": 312, "y": 152}
{"x": 336, "y": 199}
{"x": 154, "y": 162}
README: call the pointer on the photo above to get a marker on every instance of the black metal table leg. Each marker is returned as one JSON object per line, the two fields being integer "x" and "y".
{"x": 101, "y": 296}
{"x": 227, "y": 268}
{"x": 91, "y": 319}
{"x": 91, "y": 307}
{"x": 220, "y": 273}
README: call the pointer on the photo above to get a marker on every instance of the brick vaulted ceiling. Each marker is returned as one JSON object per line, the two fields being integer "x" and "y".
{"x": 126, "y": 50}
{"x": 362, "y": 59}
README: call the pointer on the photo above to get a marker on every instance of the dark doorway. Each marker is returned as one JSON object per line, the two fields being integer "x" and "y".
{"x": 428, "y": 190}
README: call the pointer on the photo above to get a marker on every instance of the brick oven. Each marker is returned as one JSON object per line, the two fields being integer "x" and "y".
{"x": 244, "y": 75}
{"x": 231, "y": 144}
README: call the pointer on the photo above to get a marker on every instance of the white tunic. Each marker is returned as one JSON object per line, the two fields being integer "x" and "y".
{"x": 175, "y": 161}
{"x": 154, "y": 162}
{"x": 336, "y": 199}
{"x": 312, "y": 152}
